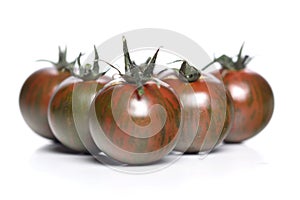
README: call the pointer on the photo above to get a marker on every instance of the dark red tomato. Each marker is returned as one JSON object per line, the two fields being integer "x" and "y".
{"x": 70, "y": 104}
{"x": 134, "y": 128}
{"x": 207, "y": 111}
{"x": 252, "y": 96}
{"x": 253, "y": 103}
{"x": 68, "y": 113}
{"x": 228, "y": 118}
{"x": 36, "y": 93}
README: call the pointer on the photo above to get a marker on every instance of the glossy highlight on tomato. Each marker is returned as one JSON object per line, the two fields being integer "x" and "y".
{"x": 36, "y": 93}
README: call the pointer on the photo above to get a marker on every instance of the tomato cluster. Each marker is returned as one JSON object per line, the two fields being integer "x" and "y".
{"x": 142, "y": 115}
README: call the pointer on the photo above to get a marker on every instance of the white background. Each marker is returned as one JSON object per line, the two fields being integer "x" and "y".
{"x": 266, "y": 166}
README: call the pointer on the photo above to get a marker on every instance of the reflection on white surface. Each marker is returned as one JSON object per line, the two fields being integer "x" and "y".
{"x": 227, "y": 159}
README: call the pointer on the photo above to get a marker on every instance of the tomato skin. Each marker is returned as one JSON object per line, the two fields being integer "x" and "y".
{"x": 35, "y": 96}
{"x": 68, "y": 113}
{"x": 229, "y": 118}
{"x": 207, "y": 113}
{"x": 129, "y": 128}
{"x": 253, "y": 101}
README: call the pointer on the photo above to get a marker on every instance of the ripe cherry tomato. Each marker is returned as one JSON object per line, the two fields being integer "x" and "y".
{"x": 207, "y": 108}
{"x": 70, "y": 104}
{"x": 252, "y": 96}
{"x": 37, "y": 91}
{"x": 135, "y": 120}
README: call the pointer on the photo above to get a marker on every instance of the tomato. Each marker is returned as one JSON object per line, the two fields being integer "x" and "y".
{"x": 252, "y": 96}
{"x": 70, "y": 104}
{"x": 207, "y": 108}
{"x": 135, "y": 120}
{"x": 37, "y": 91}
{"x": 136, "y": 129}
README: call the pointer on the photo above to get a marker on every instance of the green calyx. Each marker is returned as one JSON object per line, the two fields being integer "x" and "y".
{"x": 62, "y": 63}
{"x": 88, "y": 72}
{"x": 187, "y": 72}
{"x": 138, "y": 74}
{"x": 228, "y": 62}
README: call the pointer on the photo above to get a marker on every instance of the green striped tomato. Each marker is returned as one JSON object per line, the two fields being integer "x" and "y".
{"x": 252, "y": 96}
{"x": 36, "y": 93}
{"x": 68, "y": 112}
{"x": 133, "y": 128}
{"x": 35, "y": 97}
{"x": 207, "y": 111}
{"x": 253, "y": 102}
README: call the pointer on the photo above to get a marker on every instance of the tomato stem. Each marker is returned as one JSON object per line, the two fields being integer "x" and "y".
{"x": 96, "y": 67}
{"x": 127, "y": 60}
{"x": 119, "y": 72}
{"x": 62, "y": 63}
{"x": 88, "y": 72}
{"x": 208, "y": 65}
{"x": 149, "y": 67}
{"x": 138, "y": 74}
{"x": 187, "y": 72}
{"x": 228, "y": 62}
